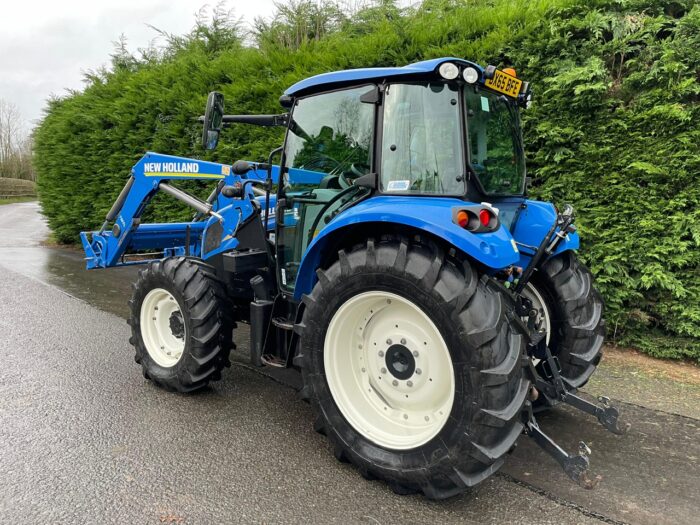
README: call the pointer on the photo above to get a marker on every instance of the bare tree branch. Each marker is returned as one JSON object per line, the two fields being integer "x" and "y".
{"x": 15, "y": 147}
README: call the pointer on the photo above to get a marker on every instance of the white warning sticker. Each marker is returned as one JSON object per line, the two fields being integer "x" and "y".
{"x": 398, "y": 185}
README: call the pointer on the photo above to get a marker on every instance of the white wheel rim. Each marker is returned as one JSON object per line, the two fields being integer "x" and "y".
{"x": 164, "y": 347}
{"x": 366, "y": 345}
{"x": 531, "y": 293}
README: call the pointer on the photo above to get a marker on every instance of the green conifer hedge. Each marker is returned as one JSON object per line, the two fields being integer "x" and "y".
{"x": 614, "y": 130}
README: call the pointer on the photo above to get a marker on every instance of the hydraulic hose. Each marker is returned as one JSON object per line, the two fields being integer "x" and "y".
{"x": 117, "y": 206}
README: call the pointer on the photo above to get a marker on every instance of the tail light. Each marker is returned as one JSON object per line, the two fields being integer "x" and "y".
{"x": 462, "y": 218}
{"x": 476, "y": 218}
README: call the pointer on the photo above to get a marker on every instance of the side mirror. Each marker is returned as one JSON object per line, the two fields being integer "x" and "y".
{"x": 213, "y": 116}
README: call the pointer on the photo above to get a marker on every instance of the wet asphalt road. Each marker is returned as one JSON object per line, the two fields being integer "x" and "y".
{"x": 85, "y": 439}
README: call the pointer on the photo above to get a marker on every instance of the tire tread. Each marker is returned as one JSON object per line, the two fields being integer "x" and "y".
{"x": 498, "y": 347}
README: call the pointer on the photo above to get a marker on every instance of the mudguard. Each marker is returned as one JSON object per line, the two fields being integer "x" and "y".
{"x": 495, "y": 250}
{"x": 529, "y": 223}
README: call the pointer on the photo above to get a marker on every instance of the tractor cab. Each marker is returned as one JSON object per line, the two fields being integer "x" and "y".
{"x": 436, "y": 129}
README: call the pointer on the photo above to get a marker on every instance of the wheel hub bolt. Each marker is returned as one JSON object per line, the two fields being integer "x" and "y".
{"x": 405, "y": 416}
{"x": 383, "y": 370}
{"x": 395, "y": 382}
{"x": 427, "y": 418}
{"x": 409, "y": 383}
{"x": 418, "y": 371}
{"x": 415, "y": 353}
{"x": 388, "y": 341}
{"x": 381, "y": 354}
{"x": 363, "y": 370}
{"x": 403, "y": 341}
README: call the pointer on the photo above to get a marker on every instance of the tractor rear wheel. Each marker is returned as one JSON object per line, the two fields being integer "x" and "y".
{"x": 571, "y": 310}
{"x": 180, "y": 324}
{"x": 413, "y": 366}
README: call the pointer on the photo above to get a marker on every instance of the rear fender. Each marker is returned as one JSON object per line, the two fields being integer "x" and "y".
{"x": 494, "y": 250}
{"x": 532, "y": 223}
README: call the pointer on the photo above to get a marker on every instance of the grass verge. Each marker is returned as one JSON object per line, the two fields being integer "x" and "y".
{"x": 13, "y": 200}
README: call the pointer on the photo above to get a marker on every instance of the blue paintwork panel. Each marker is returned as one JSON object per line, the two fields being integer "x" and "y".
{"x": 302, "y": 176}
{"x": 531, "y": 223}
{"x": 431, "y": 214}
{"x": 161, "y": 236}
{"x": 320, "y": 82}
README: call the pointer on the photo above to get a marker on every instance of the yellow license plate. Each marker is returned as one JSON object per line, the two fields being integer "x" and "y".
{"x": 504, "y": 83}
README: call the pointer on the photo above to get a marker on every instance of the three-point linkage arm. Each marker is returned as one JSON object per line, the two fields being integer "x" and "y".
{"x": 546, "y": 378}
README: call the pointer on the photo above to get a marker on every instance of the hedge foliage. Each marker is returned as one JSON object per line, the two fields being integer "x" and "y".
{"x": 614, "y": 128}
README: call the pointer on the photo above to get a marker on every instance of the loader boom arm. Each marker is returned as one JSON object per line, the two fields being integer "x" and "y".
{"x": 126, "y": 240}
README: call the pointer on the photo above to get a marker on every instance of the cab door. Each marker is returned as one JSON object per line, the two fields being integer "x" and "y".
{"x": 329, "y": 144}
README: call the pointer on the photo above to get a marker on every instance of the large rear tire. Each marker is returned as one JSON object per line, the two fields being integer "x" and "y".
{"x": 180, "y": 324}
{"x": 379, "y": 314}
{"x": 574, "y": 311}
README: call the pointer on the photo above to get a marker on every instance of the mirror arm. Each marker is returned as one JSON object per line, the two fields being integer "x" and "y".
{"x": 257, "y": 120}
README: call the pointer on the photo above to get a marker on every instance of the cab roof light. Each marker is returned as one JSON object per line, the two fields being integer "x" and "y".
{"x": 448, "y": 70}
{"x": 489, "y": 71}
{"x": 470, "y": 75}
{"x": 510, "y": 71}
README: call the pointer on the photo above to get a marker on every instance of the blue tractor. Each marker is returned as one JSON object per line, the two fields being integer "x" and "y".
{"x": 390, "y": 255}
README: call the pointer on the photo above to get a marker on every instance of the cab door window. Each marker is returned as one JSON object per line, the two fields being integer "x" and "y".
{"x": 328, "y": 146}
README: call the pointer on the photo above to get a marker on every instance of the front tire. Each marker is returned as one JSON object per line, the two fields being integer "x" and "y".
{"x": 411, "y": 299}
{"x": 180, "y": 324}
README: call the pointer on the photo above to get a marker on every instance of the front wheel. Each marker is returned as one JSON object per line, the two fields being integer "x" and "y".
{"x": 181, "y": 324}
{"x": 413, "y": 366}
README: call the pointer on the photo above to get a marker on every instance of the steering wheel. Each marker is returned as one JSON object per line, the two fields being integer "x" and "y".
{"x": 346, "y": 178}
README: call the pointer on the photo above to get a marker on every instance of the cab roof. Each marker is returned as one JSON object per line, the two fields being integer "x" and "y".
{"x": 327, "y": 81}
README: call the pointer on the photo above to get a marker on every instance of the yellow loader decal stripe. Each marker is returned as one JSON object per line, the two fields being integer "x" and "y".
{"x": 188, "y": 175}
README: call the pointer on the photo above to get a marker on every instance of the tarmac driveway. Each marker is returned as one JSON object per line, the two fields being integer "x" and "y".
{"x": 84, "y": 438}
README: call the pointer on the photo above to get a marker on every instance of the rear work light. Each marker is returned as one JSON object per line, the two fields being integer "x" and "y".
{"x": 476, "y": 218}
{"x": 448, "y": 71}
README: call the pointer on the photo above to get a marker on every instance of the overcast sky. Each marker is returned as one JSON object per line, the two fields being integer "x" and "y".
{"x": 47, "y": 45}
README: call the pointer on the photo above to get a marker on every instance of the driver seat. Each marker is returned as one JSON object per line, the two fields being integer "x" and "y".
{"x": 330, "y": 182}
